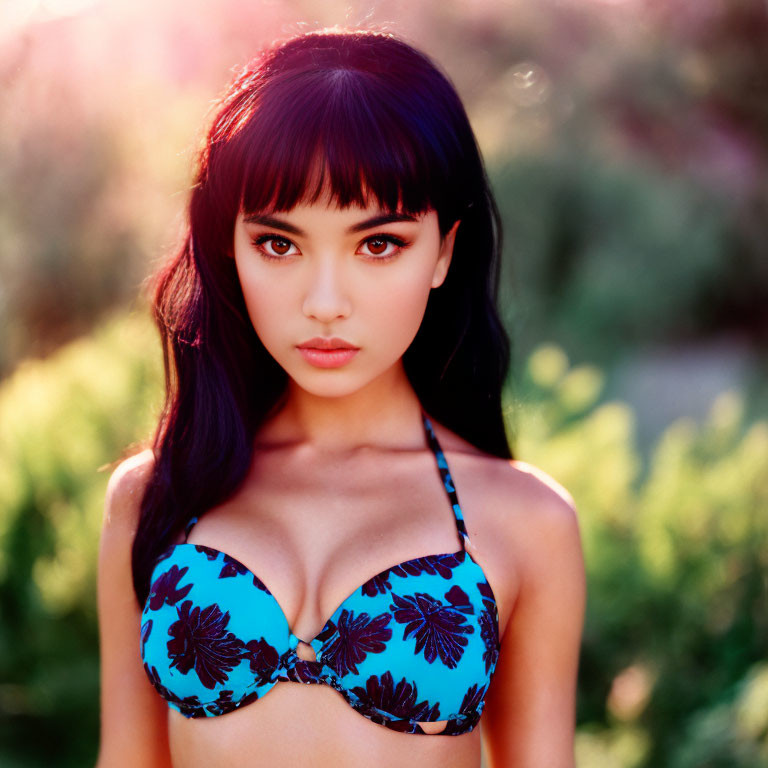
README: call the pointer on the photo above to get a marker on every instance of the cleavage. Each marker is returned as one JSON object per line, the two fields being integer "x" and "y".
{"x": 313, "y": 542}
{"x": 311, "y": 579}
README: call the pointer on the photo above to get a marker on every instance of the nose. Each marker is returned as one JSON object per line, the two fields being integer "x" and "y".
{"x": 326, "y": 298}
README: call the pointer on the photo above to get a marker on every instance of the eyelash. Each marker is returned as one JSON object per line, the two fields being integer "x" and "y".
{"x": 259, "y": 241}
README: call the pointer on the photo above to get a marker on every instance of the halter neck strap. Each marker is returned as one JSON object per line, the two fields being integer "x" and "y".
{"x": 188, "y": 527}
{"x": 445, "y": 474}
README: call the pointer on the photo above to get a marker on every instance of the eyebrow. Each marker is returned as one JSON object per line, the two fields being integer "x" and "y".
{"x": 374, "y": 221}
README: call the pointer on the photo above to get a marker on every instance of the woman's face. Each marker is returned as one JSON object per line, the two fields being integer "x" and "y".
{"x": 321, "y": 271}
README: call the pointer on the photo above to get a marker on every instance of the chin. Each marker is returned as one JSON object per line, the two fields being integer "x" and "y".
{"x": 334, "y": 382}
{"x": 327, "y": 388}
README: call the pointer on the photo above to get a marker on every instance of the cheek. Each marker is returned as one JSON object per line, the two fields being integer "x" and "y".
{"x": 393, "y": 311}
{"x": 267, "y": 306}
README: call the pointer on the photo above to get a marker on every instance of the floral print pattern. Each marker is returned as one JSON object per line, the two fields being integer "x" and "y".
{"x": 213, "y": 638}
{"x": 439, "y": 629}
{"x": 489, "y": 627}
{"x": 353, "y": 638}
{"x": 200, "y": 639}
{"x": 458, "y": 598}
{"x": 146, "y": 629}
{"x": 432, "y": 564}
{"x": 209, "y": 552}
{"x": 165, "y": 589}
{"x": 441, "y": 565}
{"x": 232, "y": 567}
{"x": 188, "y": 705}
{"x": 300, "y": 671}
{"x": 263, "y": 659}
{"x": 469, "y": 712}
{"x": 400, "y": 701}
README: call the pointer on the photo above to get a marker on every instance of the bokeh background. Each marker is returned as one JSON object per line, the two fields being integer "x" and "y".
{"x": 627, "y": 142}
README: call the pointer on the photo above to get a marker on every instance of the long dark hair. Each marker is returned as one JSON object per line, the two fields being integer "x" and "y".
{"x": 384, "y": 122}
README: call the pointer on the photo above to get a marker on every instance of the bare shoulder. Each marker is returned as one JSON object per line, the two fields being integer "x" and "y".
{"x": 129, "y": 704}
{"x": 543, "y": 483}
{"x": 533, "y": 538}
{"x": 517, "y": 490}
{"x": 125, "y": 489}
{"x": 528, "y": 532}
{"x": 522, "y": 507}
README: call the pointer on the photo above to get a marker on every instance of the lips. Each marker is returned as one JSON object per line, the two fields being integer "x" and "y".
{"x": 328, "y": 358}
{"x": 320, "y": 342}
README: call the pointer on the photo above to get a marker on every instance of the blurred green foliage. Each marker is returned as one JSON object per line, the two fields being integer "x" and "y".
{"x": 673, "y": 661}
{"x": 62, "y": 419}
{"x": 602, "y": 257}
{"x": 673, "y": 668}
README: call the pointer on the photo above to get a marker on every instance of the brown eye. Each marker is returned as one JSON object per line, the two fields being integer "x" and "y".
{"x": 280, "y": 246}
{"x": 377, "y": 246}
{"x": 273, "y": 247}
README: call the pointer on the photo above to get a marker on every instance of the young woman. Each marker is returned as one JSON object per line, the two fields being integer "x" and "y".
{"x": 328, "y": 556}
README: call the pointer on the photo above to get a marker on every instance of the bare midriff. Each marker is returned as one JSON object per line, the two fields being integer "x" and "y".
{"x": 310, "y": 726}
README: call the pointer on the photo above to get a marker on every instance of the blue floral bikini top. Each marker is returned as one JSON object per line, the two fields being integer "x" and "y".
{"x": 415, "y": 643}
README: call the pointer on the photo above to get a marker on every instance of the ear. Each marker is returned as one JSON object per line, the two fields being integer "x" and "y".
{"x": 444, "y": 258}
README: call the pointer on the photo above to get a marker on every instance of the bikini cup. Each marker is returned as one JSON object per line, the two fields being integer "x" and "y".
{"x": 417, "y": 642}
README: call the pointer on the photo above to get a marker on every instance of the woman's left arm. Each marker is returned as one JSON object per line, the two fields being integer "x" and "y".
{"x": 529, "y": 719}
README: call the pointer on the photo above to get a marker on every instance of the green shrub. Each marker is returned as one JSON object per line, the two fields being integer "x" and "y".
{"x": 677, "y": 564}
{"x": 604, "y": 255}
{"x": 62, "y": 419}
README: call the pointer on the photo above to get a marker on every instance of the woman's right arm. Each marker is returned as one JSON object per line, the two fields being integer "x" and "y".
{"x": 134, "y": 729}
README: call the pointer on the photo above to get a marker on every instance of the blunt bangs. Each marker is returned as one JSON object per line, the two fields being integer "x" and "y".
{"x": 358, "y": 137}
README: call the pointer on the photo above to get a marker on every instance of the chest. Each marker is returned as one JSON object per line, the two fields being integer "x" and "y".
{"x": 314, "y": 531}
